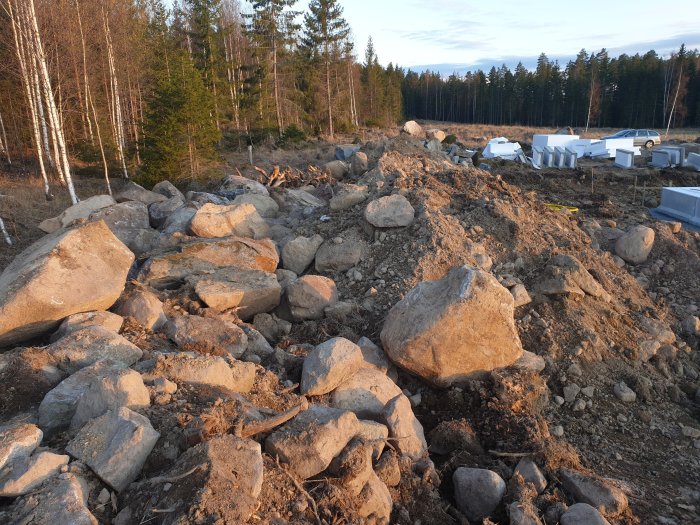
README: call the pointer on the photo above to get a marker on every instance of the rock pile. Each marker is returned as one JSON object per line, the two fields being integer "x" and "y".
{"x": 237, "y": 374}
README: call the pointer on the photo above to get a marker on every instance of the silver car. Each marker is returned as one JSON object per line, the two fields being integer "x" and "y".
{"x": 642, "y": 137}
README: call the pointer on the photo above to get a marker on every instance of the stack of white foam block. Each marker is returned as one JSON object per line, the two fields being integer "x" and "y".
{"x": 624, "y": 158}
{"x": 681, "y": 203}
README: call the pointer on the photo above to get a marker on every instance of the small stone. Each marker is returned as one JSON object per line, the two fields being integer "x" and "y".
{"x": 570, "y": 392}
{"x": 608, "y": 499}
{"x": 624, "y": 393}
{"x": 104, "y": 497}
{"x": 558, "y": 431}
{"x": 583, "y": 514}
{"x": 530, "y": 472}
{"x": 635, "y": 245}
{"x": 478, "y": 492}
{"x": 143, "y": 306}
{"x": 405, "y": 428}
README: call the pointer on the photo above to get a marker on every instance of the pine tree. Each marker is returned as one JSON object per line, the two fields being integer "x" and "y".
{"x": 272, "y": 26}
{"x": 180, "y": 132}
{"x": 326, "y": 30}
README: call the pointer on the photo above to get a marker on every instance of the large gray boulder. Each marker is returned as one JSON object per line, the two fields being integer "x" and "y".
{"x": 223, "y": 489}
{"x": 393, "y": 211}
{"x": 635, "y": 245}
{"x": 328, "y": 365}
{"x": 68, "y": 272}
{"x": 414, "y": 129}
{"x": 115, "y": 446}
{"x": 310, "y": 441}
{"x": 81, "y": 210}
{"x": 299, "y": 253}
{"x": 59, "y": 405}
{"x": 168, "y": 189}
{"x": 63, "y": 500}
{"x": 310, "y": 295}
{"x": 207, "y": 335}
{"x": 134, "y": 192}
{"x": 160, "y": 211}
{"x": 212, "y": 220}
{"x": 92, "y": 344}
{"x": 198, "y": 257}
{"x": 250, "y": 292}
{"x": 449, "y": 330}
{"x": 115, "y": 389}
{"x": 17, "y": 441}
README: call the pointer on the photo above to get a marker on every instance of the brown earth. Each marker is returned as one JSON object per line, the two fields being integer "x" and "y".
{"x": 462, "y": 213}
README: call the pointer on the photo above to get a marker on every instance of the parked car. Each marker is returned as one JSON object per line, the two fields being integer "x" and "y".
{"x": 642, "y": 137}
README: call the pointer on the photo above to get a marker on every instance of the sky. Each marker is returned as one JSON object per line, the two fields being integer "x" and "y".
{"x": 461, "y": 35}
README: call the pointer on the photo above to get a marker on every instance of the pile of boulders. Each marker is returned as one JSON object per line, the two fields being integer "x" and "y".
{"x": 220, "y": 280}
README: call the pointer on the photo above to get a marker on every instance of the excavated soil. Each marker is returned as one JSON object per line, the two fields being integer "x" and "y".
{"x": 465, "y": 216}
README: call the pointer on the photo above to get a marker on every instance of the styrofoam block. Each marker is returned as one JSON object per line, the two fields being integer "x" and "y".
{"x": 624, "y": 158}
{"x": 694, "y": 161}
{"x": 681, "y": 203}
{"x": 537, "y": 156}
{"x": 608, "y": 147}
{"x": 676, "y": 155}
{"x": 559, "y": 157}
{"x": 549, "y": 157}
{"x": 503, "y": 150}
{"x": 571, "y": 159}
{"x": 542, "y": 141}
{"x": 660, "y": 158}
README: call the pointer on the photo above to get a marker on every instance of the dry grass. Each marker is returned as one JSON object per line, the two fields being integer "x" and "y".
{"x": 23, "y": 207}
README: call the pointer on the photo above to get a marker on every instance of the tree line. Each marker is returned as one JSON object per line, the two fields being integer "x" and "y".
{"x": 142, "y": 90}
{"x": 147, "y": 91}
{"x": 640, "y": 91}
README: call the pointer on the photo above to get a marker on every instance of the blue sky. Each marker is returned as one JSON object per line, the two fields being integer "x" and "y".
{"x": 463, "y": 34}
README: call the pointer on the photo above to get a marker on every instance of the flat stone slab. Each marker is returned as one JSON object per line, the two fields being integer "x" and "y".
{"x": 89, "y": 345}
{"x": 250, "y": 292}
{"x": 310, "y": 441}
{"x": 115, "y": 446}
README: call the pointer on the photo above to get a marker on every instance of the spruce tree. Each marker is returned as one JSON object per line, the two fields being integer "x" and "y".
{"x": 326, "y": 30}
{"x": 180, "y": 131}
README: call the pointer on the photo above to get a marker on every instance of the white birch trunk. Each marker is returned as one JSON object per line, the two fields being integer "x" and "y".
{"x": 52, "y": 111}
{"x": 20, "y": 47}
{"x": 5, "y": 144}
{"x": 118, "y": 120}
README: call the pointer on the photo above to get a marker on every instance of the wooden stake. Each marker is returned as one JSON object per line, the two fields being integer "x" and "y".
{"x": 634, "y": 197}
{"x": 250, "y": 155}
{"x": 591, "y": 181}
{"x": 644, "y": 194}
